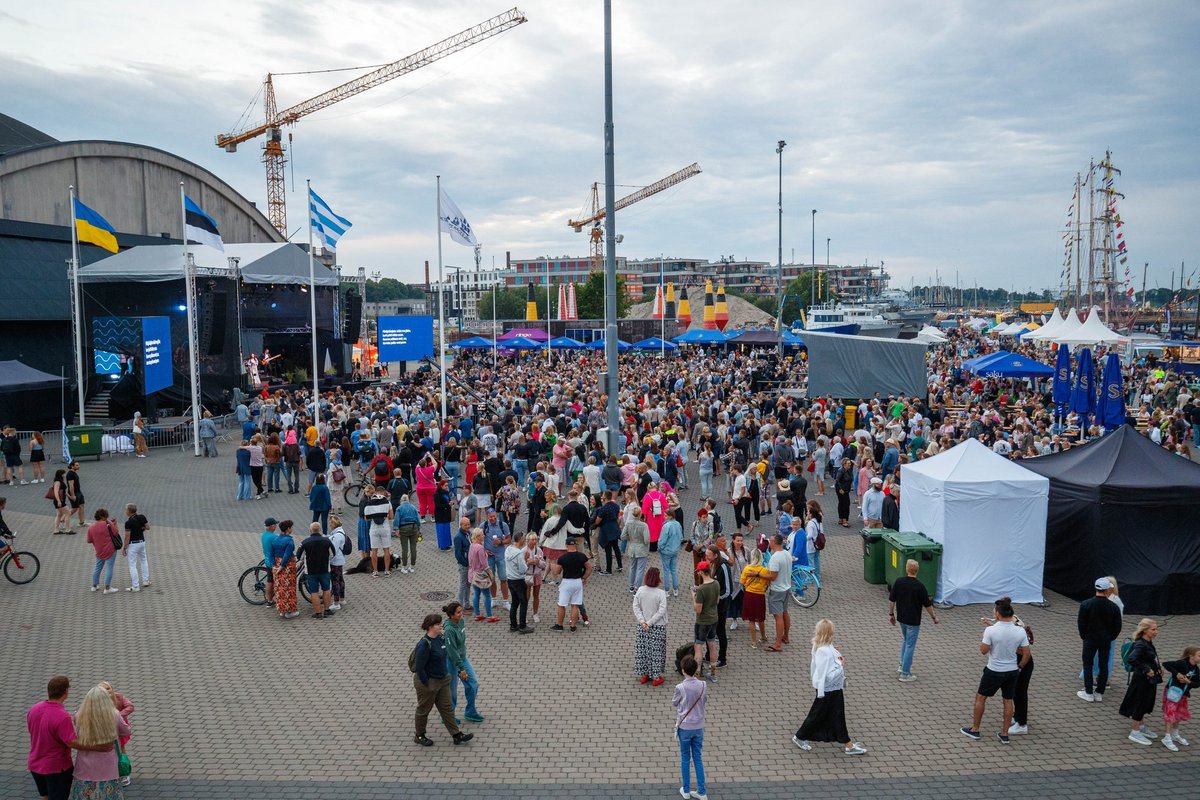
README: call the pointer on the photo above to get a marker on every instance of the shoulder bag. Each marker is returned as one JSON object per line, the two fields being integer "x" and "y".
{"x": 116, "y": 537}
{"x": 124, "y": 767}
{"x": 703, "y": 691}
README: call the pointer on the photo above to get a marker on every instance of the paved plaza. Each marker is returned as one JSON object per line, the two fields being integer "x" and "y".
{"x": 232, "y": 702}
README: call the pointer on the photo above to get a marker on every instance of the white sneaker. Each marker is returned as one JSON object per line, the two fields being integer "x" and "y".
{"x": 803, "y": 745}
{"x": 1082, "y": 695}
{"x": 111, "y": 591}
{"x": 1179, "y": 739}
{"x": 684, "y": 792}
{"x": 335, "y": 606}
{"x": 133, "y": 589}
{"x": 24, "y": 483}
{"x": 907, "y": 677}
{"x": 1016, "y": 730}
{"x": 855, "y": 749}
{"x": 699, "y": 796}
{"x": 536, "y": 619}
{"x": 93, "y": 588}
{"x": 1169, "y": 743}
{"x": 674, "y": 593}
{"x": 1137, "y": 738}
{"x": 1149, "y": 734}
{"x": 733, "y": 625}
{"x": 1098, "y": 697}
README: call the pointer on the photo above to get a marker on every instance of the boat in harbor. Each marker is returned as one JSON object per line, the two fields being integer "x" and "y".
{"x": 851, "y": 319}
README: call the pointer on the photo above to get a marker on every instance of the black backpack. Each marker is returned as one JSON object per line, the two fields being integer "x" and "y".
{"x": 412, "y": 657}
{"x": 381, "y": 468}
{"x": 347, "y": 548}
{"x": 716, "y": 520}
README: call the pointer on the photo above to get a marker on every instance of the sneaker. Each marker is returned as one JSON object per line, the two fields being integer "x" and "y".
{"x": 111, "y": 591}
{"x": 586, "y": 621}
{"x": 965, "y": 731}
{"x": 536, "y": 619}
{"x": 473, "y": 717}
{"x": 907, "y": 677}
{"x": 1169, "y": 743}
{"x": 674, "y": 593}
{"x": 291, "y": 615}
{"x": 317, "y": 616}
{"x": 1017, "y": 730}
{"x": 1098, "y": 697}
{"x": 803, "y": 745}
{"x": 94, "y": 588}
{"x": 684, "y": 793}
{"x": 127, "y": 779}
{"x": 146, "y": 582}
{"x": 856, "y": 749}
{"x": 657, "y": 681}
{"x": 1179, "y": 740}
{"x": 24, "y": 483}
{"x": 493, "y": 619}
{"x": 374, "y": 574}
{"x": 480, "y": 618}
{"x": 524, "y": 630}
{"x": 335, "y": 606}
{"x": 574, "y": 628}
{"x": 1003, "y": 737}
{"x": 556, "y": 627}
{"x": 463, "y": 738}
{"x": 632, "y": 590}
{"x": 133, "y": 589}
{"x": 698, "y": 796}
{"x": 423, "y": 740}
{"x": 1138, "y": 738}
{"x": 1085, "y": 696}
{"x": 1149, "y": 734}
{"x": 733, "y": 625}
{"x": 711, "y": 678}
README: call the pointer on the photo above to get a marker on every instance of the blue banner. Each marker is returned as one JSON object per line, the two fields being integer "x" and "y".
{"x": 405, "y": 338}
{"x": 157, "y": 373}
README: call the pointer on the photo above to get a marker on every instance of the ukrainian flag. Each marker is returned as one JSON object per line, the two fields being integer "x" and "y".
{"x": 93, "y": 228}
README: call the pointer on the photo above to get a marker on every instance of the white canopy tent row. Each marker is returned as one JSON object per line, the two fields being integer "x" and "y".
{"x": 989, "y": 515}
{"x": 1090, "y": 332}
{"x": 930, "y": 335}
{"x": 1052, "y": 326}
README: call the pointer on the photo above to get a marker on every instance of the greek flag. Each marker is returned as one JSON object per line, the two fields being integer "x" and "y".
{"x": 327, "y": 225}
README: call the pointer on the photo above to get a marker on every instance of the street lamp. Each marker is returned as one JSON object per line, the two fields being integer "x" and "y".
{"x": 779, "y": 283}
{"x": 814, "y": 256}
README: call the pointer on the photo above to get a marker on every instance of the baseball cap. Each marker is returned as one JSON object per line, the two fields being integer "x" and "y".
{"x": 1103, "y": 584}
{"x": 269, "y": 521}
{"x": 876, "y": 481}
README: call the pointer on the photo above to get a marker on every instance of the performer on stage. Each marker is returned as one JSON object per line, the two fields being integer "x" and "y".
{"x": 252, "y": 369}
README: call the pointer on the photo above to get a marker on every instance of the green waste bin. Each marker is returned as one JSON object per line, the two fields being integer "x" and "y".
{"x": 873, "y": 548}
{"x": 900, "y": 547}
{"x": 85, "y": 440}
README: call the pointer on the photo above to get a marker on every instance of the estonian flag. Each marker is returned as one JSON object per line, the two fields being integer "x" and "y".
{"x": 92, "y": 228}
{"x": 200, "y": 227}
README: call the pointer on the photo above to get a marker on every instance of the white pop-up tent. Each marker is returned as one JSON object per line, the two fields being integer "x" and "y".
{"x": 1048, "y": 329}
{"x": 1092, "y": 331}
{"x": 989, "y": 515}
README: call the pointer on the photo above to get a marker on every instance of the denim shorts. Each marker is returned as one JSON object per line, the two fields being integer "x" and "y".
{"x": 318, "y": 582}
{"x": 498, "y": 569}
{"x": 705, "y": 633}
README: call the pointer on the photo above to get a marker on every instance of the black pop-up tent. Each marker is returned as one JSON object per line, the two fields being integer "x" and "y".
{"x": 30, "y": 399}
{"x": 1123, "y": 506}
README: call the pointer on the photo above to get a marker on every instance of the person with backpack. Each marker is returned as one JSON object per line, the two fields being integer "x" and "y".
{"x": 654, "y": 513}
{"x": 1145, "y": 674}
{"x": 1099, "y": 622}
{"x": 380, "y": 469}
{"x": 431, "y": 681}
{"x": 1182, "y": 675}
{"x": 377, "y": 510}
{"x": 342, "y": 547}
{"x": 408, "y": 528}
{"x": 814, "y": 536}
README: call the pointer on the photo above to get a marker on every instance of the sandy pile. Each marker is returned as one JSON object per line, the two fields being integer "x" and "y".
{"x": 742, "y": 313}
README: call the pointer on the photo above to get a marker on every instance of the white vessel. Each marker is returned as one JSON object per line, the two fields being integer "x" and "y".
{"x": 863, "y": 320}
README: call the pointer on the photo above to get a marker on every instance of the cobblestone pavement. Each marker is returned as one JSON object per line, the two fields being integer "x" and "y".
{"x": 232, "y": 702}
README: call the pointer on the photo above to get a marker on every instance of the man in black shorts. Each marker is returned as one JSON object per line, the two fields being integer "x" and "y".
{"x": 1007, "y": 647}
{"x": 75, "y": 493}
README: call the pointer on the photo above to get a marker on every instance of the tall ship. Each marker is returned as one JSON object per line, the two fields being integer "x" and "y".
{"x": 1095, "y": 254}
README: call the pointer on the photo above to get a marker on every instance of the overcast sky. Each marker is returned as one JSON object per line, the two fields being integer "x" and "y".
{"x": 929, "y": 135}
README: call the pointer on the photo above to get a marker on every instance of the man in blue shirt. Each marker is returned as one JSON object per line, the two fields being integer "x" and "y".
{"x": 872, "y": 504}
{"x": 496, "y": 537}
{"x": 265, "y": 541}
{"x": 891, "y": 458}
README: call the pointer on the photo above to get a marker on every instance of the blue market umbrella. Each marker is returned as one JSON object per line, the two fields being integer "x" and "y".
{"x": 701, "y": 336}
{"x": 1062, "y": 380}
{"x": 566, "y": 343}
{"x": 598, "y": 344}
{"x": 473, "y": 343}
{"x": 653, "y": 343}
{"x": 1083, "y": 390}
{"x": 521, "y": 343}
{"x": 1110, "y": 406}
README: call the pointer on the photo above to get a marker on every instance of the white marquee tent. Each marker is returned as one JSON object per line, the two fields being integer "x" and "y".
{"x": 989, "y": 515}
{"x": 1091, "y": 332}
{"x": 930, "y": 335}
{"x": 1048, "y": 330}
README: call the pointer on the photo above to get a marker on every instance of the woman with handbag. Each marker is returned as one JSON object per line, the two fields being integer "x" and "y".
{"x": 1145, "y": 674}
{"x": 688, "y": 701}
{"x": 480, "y": 577}
{"x": 98, "y": 773}
{"x": 57, "y": 494}
{"x": 125, "y": 709}
{"x": 102, "y": 535}
{"x": 336, "y": 480}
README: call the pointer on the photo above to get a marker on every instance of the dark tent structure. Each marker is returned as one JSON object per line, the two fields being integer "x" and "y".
{"x": 30, "y": 400}
{"x": 1123, "y": 506}
{"x": 853, "y": 367}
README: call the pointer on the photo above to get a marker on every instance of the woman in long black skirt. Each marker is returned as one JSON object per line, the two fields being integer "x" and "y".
{"x": 826, "y": 720}
{"x": 1144, "y": 676}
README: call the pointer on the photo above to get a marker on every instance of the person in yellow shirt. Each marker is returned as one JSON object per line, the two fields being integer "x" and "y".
{"x": 310, "y": 435}
{"x": 755, "y": 580}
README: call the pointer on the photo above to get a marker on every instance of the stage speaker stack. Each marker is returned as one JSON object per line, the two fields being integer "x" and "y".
{"x": 212, "y": 324}
{"x": 352, "y": 319}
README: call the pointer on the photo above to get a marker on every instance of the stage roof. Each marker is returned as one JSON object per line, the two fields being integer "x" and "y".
{"x": 261, "y": 262}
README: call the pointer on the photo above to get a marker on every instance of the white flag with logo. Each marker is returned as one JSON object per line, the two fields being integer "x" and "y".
{"x": 453, "y": 222}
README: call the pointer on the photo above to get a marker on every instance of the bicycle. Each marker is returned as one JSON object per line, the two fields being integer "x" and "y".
{"x": 20, "y": 567}
{"x": 253, "y": 583}
{"x": 806, "y": 586}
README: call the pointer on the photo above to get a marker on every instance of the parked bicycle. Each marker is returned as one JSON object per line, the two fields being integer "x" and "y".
{"x": 806, "y": 586}
{"x": 20, "y": 566}
{"x": 253, "y": 583}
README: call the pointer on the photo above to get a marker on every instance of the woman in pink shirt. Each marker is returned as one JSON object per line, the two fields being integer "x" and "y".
{"x": 477, "y": 572}
{"x": 562, "y": 453}
{"x": 654, "y": 512}
{"x": 426, "y": 471}
{"x": 97, "y": 722}
{"x": 100, "y": 536}
{"x": 865, "y": 473}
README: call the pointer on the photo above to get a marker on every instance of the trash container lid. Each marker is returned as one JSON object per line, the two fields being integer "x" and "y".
{"x": 872, "y": 534}
{"x": 910, "y": 540}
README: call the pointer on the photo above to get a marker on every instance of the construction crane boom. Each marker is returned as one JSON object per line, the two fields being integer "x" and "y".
{"x": 273, "y": 155}
{"x": 641, "y": 194}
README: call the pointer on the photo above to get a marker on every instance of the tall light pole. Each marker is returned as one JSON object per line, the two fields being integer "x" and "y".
{"x": 814, "y": 256}
{"x": 827, "y": 240}
{"x": 779, "y": 282}
{"x": 610, "y": 244}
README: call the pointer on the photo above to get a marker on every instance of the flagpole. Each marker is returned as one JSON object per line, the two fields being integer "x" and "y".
{"x": 312, "y": 303}
{"x": 189, "y": 281}
{"x": 493, "y": 311}
{"x": 441, "y": 303}
{"x": 662, "y": 283}
{"x": 547, "y": 312}
{"x": 76, "y": 306}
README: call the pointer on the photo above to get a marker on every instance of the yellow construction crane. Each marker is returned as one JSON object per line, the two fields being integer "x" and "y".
{"x": 596, "y": 218}
{"x": 272, "y": 127}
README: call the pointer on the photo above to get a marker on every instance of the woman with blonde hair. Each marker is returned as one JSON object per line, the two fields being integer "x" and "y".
{"x": 826, "y": 720}
{"x": 124, "y": 708}
{"x": 755, "y": 580}
{"x": 97, "y": 722}
{"x": 1145, "y": 674}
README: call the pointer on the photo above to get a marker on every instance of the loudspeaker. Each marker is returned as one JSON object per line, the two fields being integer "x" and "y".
{"x": 352, "y": 319}
{"x": 212, "y": 324}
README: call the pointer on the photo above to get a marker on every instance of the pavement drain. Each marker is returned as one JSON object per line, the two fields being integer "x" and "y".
{"x": 435, "y": 597}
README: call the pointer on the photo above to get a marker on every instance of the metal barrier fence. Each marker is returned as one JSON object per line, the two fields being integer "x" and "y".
{"x": 116, "y": 440}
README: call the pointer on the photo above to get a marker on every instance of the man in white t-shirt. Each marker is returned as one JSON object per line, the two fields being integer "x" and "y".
{"x": 780, "y": 573}
{"x": 740, "y": 498}
{"x": 1007, "y": 647}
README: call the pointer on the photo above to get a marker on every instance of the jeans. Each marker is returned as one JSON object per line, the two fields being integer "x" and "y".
{"x": 291, "y": 471}
{"x": 107, "y": 565}
{"x": 909, "y": 647}
{"x": 1094, "y": 650}
{"x": 706, "y": 484}
{"x": 637, "y": 571}
{"x": 519, "y": 591}
{"x": 814, "y": 561}
{"x": 451, "y": 468}
{"x": 522, "y": 468}
{"x": 486, "y": 595}
{"x": 470, "y": 686}
{"x": 691, "y": 745}
{"x": 323, "y": 518}
{"x": 273, "y": 473}
{"x": 245, "y": 488}
{"x": 137, "y": 558}
{"x": 670, "y": 573}
{"x": 464, "y": 587}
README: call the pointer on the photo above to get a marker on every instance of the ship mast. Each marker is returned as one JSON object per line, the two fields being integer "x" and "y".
{"x": 1107, "y": 246}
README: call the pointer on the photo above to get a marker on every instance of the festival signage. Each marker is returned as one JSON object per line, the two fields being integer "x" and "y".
{"x": 156, "y": 354}
{"x": 405, "y": 338}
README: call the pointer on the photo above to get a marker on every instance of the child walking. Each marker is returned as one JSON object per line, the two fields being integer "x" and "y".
{"x": 1182, "y": 675}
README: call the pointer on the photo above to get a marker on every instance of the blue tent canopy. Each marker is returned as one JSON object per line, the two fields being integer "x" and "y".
{"x": 473, "y": 343}
{"x": 1009, "y": 365}
{"x": 701, "y": 336}
{"x": 654, "y": 343}
{"x": 521, "y": 343}
{"x": 566, "y": 343}
{"x": 792, "y": 340}
{"x": 622, "y": 346}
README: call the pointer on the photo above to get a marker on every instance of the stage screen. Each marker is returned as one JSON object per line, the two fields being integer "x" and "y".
{"x": 405, "y": 338}
{"x": 156, "y": 354}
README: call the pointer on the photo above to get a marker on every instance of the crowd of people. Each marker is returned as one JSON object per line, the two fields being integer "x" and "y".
{"x": 519, "y": 485}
